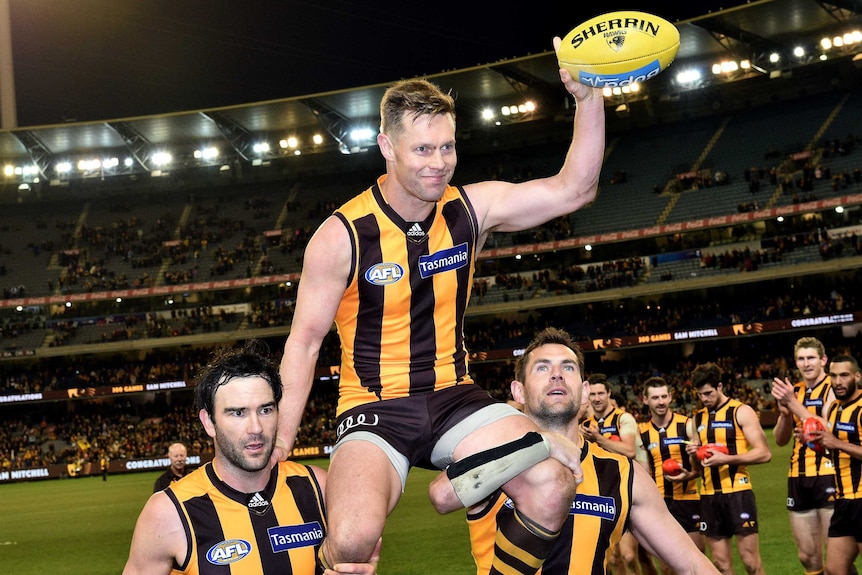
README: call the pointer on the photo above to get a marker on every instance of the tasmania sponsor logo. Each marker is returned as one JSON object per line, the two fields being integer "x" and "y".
{"x": 595, "y": 505}
{"x": 285, "y": 537}
{"x": 228, "y": 552}
{"x": 384, "y": 273}
{"x": 443, "y": 261}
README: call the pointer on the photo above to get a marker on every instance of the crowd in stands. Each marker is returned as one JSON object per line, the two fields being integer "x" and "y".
{"x": 218, "y": 240}
{"x": 597, "y": 319}
{"x": 745, "y": 259}
{"x": 719, "y": 307}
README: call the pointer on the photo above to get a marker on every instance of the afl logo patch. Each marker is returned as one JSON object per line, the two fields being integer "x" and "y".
{"x": 384, "y": 273}
{"x": 228, "y": 552}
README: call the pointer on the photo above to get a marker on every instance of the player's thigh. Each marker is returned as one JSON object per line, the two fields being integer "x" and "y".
{"x": 806, "y": 527}
{"x": 361, "y": 477}
{"x": 824, "y": 514}
{"x": 840, "y": 554}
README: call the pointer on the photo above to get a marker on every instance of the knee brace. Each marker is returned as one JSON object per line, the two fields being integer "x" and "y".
{"x": 477, "y": 476}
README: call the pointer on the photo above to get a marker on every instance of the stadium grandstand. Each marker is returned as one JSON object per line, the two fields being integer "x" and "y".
{"x": 728, "y": 224}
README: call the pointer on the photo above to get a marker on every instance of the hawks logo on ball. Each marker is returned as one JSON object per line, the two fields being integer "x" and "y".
{"x": 619, "y": 48}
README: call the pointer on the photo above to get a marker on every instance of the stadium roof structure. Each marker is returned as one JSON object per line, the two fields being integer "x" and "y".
{"x": 753, "y": 32}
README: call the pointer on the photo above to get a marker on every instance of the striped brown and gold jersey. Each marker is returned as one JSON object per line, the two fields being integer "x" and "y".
{"x": 610, "y": 424}
{"x": 401, "y": 319}
{"x": 276, "y": 531}
{"x": 845, "y": 422}
{"x": 720, "y": 426}
{"x": 804, "y": 461}
{"x": 596, "y": 522}
{"x": 663, "y": 443}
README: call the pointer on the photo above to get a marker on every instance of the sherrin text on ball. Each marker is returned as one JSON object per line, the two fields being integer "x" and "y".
{"x": 619, "y": 48}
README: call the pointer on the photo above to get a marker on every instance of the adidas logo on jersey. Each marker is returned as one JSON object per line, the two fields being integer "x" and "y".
{"x": 415, "y": 231}
{"x": 256, "y": 502}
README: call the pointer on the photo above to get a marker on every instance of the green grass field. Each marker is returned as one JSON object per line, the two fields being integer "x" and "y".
{"x": 84, "y": 526}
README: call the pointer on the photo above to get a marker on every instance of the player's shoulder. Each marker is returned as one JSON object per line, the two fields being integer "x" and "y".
{"x": 626, "y": 417}
{"x": 291, "y": 467}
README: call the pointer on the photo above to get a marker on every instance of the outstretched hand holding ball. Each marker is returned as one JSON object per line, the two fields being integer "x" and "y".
{"x": 809, "y": 426}
{"x": 671, "y": 467}
{"x": 618, "y": 49}
{"x": 706, "y": 451}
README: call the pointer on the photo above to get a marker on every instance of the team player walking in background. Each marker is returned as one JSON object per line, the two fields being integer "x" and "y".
{"x": 664, "y": 438}
{"x": 616, "y": 430}
{"x": 811, "y": 478}
{"x": 728, "y": 508}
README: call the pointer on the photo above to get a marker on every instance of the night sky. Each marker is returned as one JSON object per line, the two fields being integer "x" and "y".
{"x": 91, "y": 60}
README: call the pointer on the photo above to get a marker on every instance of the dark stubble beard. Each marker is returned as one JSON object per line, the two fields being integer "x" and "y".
{"x": 556, "y": 418}
{"x": 233, "y": 452}
{"x": 850, "y": 390}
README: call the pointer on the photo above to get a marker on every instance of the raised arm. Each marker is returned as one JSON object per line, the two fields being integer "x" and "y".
{"x": 782, "y": 391}
{"x": 504, "y": 206}
{"x": 326, "y": 265}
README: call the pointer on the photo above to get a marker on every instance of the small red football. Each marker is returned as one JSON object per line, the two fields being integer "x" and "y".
{"x": 614, "y": 438}
{"x": 707, "y": 450}
{"x": 671, "y": 467}
{"x": 809, "y": 425}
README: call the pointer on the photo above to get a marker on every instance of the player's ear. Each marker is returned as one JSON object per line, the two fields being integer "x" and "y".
{"x": 384, "y": 142}
{"x": 517, "y": 389}
{"x": 207, "y": 422}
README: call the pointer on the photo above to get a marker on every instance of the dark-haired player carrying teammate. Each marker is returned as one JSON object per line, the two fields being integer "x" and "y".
{"x": 617, "y": 494}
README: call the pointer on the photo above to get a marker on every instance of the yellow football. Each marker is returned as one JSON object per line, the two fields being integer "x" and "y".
{"x": 619, "y": 48}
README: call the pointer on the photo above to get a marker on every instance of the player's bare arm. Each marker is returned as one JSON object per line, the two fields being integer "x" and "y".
{"x": 656, "y": 529}
{"x": 158, "y": 540}
{"x": 503, "y": 206}
{"x": 758, "y": 451}
{"x": 326, "y": 265}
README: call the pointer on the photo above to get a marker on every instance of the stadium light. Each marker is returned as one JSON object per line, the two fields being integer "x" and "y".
{"x": 161, "y": 158}
{"x": 209, "y": 153}
{"x": 361, "y": 134}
